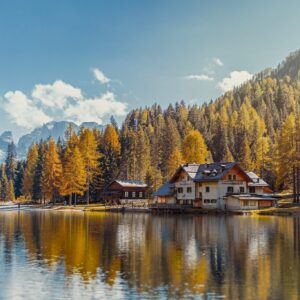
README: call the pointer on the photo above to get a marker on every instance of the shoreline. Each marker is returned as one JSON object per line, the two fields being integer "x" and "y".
{"x": 293, "y": 210}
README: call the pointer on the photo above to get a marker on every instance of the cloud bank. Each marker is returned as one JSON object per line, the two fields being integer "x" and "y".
{"x": 59, "y": 101}
{"x": 236, "y": 78}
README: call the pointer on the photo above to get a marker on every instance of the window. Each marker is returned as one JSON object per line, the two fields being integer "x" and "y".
{"x": 213, "y": 201}
{"x": 210, "y": 201}
{"x": 188, "y": 189}
{"x": 242, "y": 189}
{"x": 245, "y": 202}
{"x": 180, "y": 190}
{"x": 229, "y": 177}
{"x": 126, "y": 194}
{"x": 207, "y": 189}
{"x": 230, "y": 189}
{"x": 251, "y": 189}
{"x": 200, "y": 195}
{"x": 141, "y": 194}
{"x": 133, "y": 194}
{"x": 233, "y": 177}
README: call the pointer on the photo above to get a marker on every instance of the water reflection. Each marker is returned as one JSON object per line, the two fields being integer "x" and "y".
{"x": 62, "y": 255}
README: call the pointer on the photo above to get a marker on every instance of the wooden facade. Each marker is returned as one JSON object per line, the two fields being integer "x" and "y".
{"x": 125, "y": 192}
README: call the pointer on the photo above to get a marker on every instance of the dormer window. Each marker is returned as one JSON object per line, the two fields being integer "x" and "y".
{"x": 234, "y": 177}
{"x": 229, "y": 177}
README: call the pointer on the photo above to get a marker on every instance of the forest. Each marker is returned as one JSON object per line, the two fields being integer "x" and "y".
{"x": 256, "y": 124}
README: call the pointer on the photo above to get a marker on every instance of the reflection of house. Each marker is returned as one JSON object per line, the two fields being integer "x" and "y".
{"x": 208, "y": 185}
{"x": 125, "y": 192}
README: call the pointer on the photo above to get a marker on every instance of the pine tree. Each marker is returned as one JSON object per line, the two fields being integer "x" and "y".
{"x": 194, "y": 148}
{"x": 10, "y": 162}
{"x": 51, "y": 172}
{"x": 37, "y": 193}
{"x": 19, "y": 179}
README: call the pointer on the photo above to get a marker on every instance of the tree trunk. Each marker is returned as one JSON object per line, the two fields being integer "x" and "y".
{"x": 88, "y": 192}
{"x": 75, "y": 199}
{"x": 70, "y": 199}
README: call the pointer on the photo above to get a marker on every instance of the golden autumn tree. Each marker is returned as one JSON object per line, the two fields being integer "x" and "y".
{"x": 174, "y": 161}
{"x": 88, "y": 148}
{"x": 194, "y": 149}
{"x": 111, "y": 150}
{"x": 31, "y": 162}
{"x": 52, "y": 172}
{"x": 74, "y": 175}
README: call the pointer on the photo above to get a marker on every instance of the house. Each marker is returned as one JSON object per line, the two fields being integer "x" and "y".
{"x": 249, "y": 201}
{"x": 208, "y": 185}
{"x": 125, "y": 192}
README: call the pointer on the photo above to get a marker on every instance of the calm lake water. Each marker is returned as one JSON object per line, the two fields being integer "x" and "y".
{"x": 74, "y": 255}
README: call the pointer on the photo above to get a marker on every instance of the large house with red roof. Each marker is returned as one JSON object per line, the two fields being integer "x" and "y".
{"x": 215, "y": 185}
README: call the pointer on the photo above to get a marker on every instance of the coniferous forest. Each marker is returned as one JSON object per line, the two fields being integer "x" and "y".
{"x": 256, "y": 124}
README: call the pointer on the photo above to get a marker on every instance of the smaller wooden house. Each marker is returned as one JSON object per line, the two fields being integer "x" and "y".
{"x": 125, "y": 192}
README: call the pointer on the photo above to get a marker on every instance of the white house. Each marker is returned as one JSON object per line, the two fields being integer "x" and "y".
{"x": 208, "y": 185}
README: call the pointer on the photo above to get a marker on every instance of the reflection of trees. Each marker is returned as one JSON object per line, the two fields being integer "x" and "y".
{"x": 240, "y": 257}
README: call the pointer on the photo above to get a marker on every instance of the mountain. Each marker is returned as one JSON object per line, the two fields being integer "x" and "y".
{"x": 5, "y": 139}
{"x": 53, "y": 129}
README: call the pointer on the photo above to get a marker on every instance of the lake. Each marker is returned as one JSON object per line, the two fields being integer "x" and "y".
{"x": 63, "y": 255}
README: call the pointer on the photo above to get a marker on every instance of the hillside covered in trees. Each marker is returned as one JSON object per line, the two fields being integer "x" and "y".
{"x": 256, "y": 124}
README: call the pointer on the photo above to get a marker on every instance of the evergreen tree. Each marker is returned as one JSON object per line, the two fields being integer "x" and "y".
{"x": 30, "y": 167}
{"x": 10, "y": 161}
{"x": 19, "y": 179}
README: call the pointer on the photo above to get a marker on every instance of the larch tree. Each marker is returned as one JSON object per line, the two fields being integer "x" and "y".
{"x": 52, "y": 172}
{"x": 88, "y": 146}
{"x": 194, "y": 148}
{"x": 174, "y": 161}
{"x": 3, "y": 184}
{"x": 31, "y": 162}
{"x": 74, "y": 174}
{"x": 111, "y": 150}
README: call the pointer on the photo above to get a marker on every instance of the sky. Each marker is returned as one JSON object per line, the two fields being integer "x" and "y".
{"x": 87, "y": 60}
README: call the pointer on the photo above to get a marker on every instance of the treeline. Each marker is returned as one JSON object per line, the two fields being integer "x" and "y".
{"x": 256, "y": 125}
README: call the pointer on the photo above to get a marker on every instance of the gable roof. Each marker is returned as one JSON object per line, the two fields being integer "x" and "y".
{"x": 214, "y": 171}
{"x": 165, "y": 190}
{"x": 131, "y": 183}
{"x": 256, "y": 180}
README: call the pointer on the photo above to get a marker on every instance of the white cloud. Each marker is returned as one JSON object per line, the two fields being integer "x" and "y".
{"x": 217, "y": 61}
{"x": 59, "y": 101}
{"x": 236, "y": 78}
{"x": 95, "y": 109}
{"x": 99, "y": 75}
{"x": 201, "y": 77}
{"x": 22, "y": 111}
{"x": 56, "y": 95}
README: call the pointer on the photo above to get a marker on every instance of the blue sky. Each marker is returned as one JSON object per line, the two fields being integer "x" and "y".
{"x": 147, "y": 51}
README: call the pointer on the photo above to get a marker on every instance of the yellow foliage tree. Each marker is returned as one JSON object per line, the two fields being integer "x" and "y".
{"x": 174, "y": 161}
{"x": 88, "y": 147}
{"x": 194, "y": 149}
{"x": 74, "y": 175}
{"x": 52, "y": 172}
{"x": 31, "y": 161}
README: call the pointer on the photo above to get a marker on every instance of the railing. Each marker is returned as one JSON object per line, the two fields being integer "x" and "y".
{"x": 169, "y": 206}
